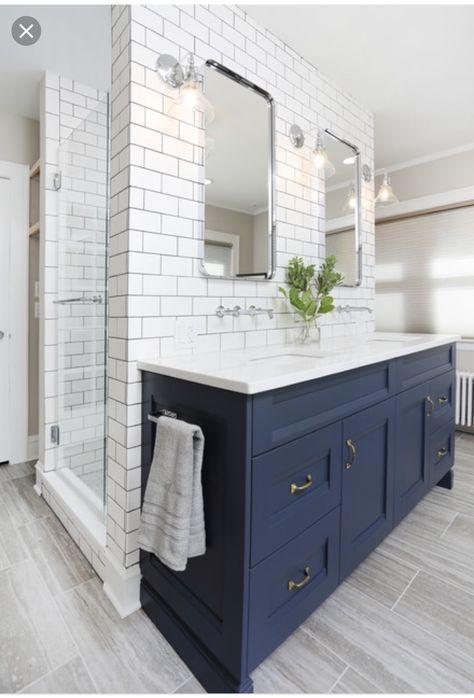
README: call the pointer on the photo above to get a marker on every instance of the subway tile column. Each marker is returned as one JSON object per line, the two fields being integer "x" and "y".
{"x": 157, "y": 213}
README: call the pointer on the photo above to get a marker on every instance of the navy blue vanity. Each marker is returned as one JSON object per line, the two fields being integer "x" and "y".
{"x": 300, "y": 484}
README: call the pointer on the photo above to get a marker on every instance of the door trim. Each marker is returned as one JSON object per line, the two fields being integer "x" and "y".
{"x": 18, "y": 310}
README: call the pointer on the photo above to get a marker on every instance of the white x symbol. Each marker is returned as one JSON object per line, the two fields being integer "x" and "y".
{"x": 26, "y": 31}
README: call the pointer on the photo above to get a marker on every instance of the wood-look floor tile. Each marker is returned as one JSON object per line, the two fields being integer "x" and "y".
{"x": 33, "y": 596}
{"x": 388, "y": 650}
{"x": 71, "y": 678}
{"x": 352, "y": 682}
{"x": 460, "y": 534}
{"x": 382, "y": 578}
{"x": 299, "y": 665}
{"x": 122, "y": 655}
{"x": 436, "y": 556}
{"x": 22, "y": 502}
{"x": 22, "y": 658}
{"x": 15, "y": 470}
{"x": 59, "y": 560}
{"x": 191, "y": 686}
{"x": 429, "y": 519}
{"x": 441, "y": 608}
{"x": 12, "y": 544}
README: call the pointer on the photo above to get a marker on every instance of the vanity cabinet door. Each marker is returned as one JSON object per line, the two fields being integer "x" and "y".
{"x": 367, "y": 482}
{"x": 413, "y": 415}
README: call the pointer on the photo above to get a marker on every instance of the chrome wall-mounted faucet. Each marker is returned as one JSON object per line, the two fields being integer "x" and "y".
{"x": 237, "y": 311}
{"x": 354, "y": 308}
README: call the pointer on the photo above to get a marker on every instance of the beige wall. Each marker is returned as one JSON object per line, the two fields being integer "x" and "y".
{"x": 19, "y": 142}
{"x": 224, "y": 220}
{"x": 434, "y": 177}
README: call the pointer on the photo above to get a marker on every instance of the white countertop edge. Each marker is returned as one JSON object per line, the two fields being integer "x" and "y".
{"x": 193, "y": 369}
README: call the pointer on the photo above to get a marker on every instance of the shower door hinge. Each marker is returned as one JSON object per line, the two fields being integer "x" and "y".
{"x": 57, "y": 181}
{"x": 55, "y": 434}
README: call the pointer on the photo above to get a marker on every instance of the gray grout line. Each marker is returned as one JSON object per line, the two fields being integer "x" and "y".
{"x": 405, "y": 589}
{"x": 338, "y": 678}
{"x": 450, "y": 524}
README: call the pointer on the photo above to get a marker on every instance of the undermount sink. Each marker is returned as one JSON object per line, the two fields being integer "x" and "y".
{"x": 292, "y": 357}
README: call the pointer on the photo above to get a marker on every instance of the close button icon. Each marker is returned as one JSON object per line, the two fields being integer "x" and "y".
{"x": 26, "y": 31}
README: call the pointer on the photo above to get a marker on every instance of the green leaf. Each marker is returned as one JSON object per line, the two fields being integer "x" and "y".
{"x": 283, "y": 291}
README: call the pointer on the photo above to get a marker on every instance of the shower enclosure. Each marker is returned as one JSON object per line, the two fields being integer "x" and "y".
{"x": 81, "y": 318}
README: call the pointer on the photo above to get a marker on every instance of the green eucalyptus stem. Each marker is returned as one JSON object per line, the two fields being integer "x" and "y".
{"x": 309, "y": 292}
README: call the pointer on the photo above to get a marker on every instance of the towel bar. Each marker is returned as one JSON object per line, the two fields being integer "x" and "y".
{"x": 154, "y": 416}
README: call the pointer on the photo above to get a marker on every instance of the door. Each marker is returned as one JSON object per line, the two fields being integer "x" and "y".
{"x": 14, "y": 181}
{"x": 367, "y": 482}
{"x": 5, "y": 231}
{"x": 413, "y": 409}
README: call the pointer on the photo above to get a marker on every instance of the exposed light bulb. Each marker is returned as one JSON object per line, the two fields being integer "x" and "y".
{"x": 349, "y": 161}
{"x": 386, "y": 196}
{"x": 191, "y": 97}
{"x": 321, "y": 162}
{"x": 208, "y": 181}
{"x": 350, "y": 200}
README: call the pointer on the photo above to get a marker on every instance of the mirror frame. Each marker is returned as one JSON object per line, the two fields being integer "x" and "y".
{"x": 357, "y": 212}
{"x": 270, "y": 272}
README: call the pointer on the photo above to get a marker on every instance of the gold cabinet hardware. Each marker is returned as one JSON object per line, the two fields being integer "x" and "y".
{"x": 442, "y": 452}
{"x": 294, "y": 488}
{"x": 294, "y": 586}
{"x": 443, "y": 400}
{"x": 352, "y": 448}
{"x": 431, "y": 406}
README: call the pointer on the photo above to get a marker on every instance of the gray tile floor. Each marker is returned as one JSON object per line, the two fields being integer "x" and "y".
{"x": 402, "y": 623}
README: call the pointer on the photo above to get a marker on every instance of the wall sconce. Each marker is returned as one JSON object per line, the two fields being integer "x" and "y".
{"x": 350, "y": 202}
{"x": 385, "y": 195}
{"x": 186, "y": 78}
{"x": 320, "y": 158}
{"x": 323, "y": 165}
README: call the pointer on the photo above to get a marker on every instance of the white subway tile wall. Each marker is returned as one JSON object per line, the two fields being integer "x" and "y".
{"x": 157, "y": 213}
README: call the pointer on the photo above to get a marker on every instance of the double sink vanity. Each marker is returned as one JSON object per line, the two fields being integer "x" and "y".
{"x": 312, "y": 456}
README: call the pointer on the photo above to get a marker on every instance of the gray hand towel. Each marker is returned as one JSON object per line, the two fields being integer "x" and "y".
{"x": 172, "y": 519}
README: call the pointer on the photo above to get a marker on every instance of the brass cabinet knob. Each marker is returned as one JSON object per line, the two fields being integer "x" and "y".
{"x": 442, "y": 452}
{"x": 294, "y": 488}
{"x": 353, "y": 454}
{"x": 294, "y": 586}
{"x": 430, "y": 405}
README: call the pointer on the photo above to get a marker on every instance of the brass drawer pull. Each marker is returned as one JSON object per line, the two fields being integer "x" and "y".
{"x": 294, "y": 488}
{"x": 294, "y": 586}
{"x": 431, "y": 406}
{"x": 352, "y": 448}
{"x": 442, "y": 452}
{"x": 443, "y": 400}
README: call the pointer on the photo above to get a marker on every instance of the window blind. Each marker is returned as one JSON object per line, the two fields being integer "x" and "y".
{"x": 424, "y": 273}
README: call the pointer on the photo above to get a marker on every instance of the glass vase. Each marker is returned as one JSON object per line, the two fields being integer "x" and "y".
{"x": 308, "y": 332}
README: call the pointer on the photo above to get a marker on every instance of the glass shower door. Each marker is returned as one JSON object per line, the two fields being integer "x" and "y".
{"x": 82, "y": 301}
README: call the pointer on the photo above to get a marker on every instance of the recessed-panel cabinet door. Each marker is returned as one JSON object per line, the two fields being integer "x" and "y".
{"x": 413, "y": 412}
{"x": 367, "y": 482}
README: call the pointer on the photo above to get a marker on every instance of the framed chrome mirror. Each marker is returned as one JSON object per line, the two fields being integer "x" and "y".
{"x": 343, "y": 208}
{"x": 239, "y": 227}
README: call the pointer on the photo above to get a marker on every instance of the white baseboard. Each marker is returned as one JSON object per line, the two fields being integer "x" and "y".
{"x": 38, "y": 486}
{"x": 33, "y": 448}
{"x": 122, "y": 585}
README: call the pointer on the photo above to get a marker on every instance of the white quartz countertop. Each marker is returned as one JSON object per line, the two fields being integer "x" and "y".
{"x": 255, "y": 370}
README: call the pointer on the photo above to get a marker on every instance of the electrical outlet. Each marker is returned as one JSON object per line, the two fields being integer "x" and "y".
{"x": 186, "y": 333}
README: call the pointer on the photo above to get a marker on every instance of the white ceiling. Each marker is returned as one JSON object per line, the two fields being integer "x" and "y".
{"x": 412, "y": 65}
{"x": 75, "y": 42}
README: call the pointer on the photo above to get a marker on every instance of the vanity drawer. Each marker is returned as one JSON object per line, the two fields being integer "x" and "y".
{"x": 293, "y": 486}
{"x": 279, "y": 416}
{"x": 424, "y": 365}
{"x": 441, "y": 452}
{"x": 277, "y": 608}
{"x": 442, "y": 392}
